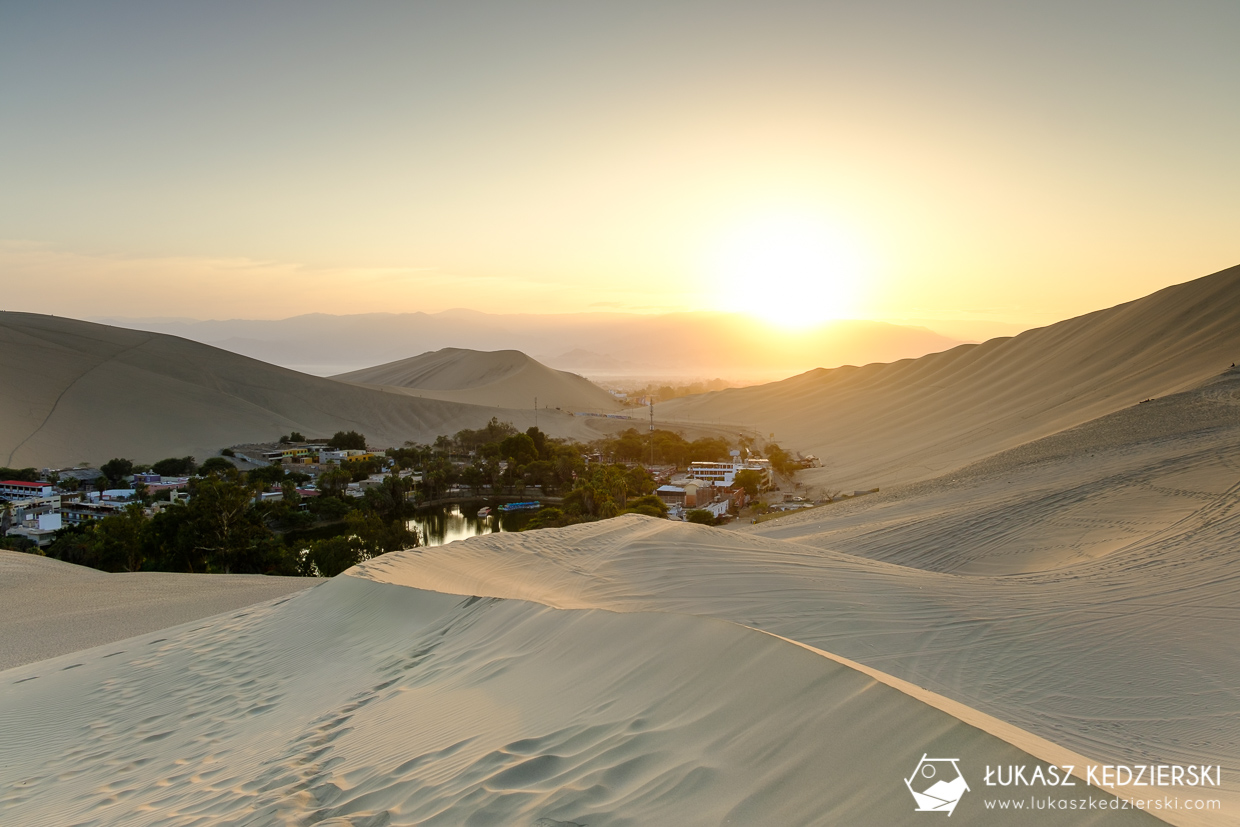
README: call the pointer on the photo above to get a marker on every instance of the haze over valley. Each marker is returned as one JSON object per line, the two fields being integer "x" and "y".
{"x": 611, "y": 347}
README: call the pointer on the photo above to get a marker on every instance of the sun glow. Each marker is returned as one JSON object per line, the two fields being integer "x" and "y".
{"x": 793, "y": 271}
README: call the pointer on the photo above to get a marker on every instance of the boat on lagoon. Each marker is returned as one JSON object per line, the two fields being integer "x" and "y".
{"x": 529, "y": 506}
{"x": 484, "y": 512}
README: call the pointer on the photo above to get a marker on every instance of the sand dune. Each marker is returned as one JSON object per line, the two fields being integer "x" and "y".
{"x": 364, "y": 703}
{"x": 51, "y": 607}
{"x": 889, "y": 423}
{"x": 1128, "y": 660}
{"x": 1080, "y": 587}
{"x": 1080, "y": 495}
{"x": 503, "y": 378}
{"x": 74, "y": 391}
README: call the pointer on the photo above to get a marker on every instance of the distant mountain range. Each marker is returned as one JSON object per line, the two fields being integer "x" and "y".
{"x": 597, "y": 345}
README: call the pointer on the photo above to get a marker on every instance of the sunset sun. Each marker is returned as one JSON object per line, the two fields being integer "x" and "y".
{"x": 790, "y": 270}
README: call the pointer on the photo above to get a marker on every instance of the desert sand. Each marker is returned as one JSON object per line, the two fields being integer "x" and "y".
{"x": 73, "y": 391}
{"x": 1065, "y": 592}
{"x": 503, "y": 378}
{"x": 367, "y": 703}
{"x": 1080, "y": 587}
{"x": 51, "y": 607}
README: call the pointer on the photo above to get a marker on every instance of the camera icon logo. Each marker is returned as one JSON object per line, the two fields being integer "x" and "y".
{"x": 937, "y": 785}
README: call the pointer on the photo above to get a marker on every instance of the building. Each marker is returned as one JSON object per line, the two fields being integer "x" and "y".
{"x": 359, "y": 455}
{"x": 671, "y": 495}
{"x": 299, "y": 454}
{"x": 19, "y": 490}
{"x": 697, "y": 491}
{"x": 326, "y": 456}
{"x": 31, "y": 509}
{"x": 34, "y": 533}
{"x": 84, "y": 474}
{"x": 723, "y": 474}
{"x": 168, "y": 484}
{"x": 76, "y": 513}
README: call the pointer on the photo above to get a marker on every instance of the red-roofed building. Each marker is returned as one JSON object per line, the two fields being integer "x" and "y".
{"x": 19, "y": 490}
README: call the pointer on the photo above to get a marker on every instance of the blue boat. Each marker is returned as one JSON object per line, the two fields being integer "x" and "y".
{"x": 531, "y": 506}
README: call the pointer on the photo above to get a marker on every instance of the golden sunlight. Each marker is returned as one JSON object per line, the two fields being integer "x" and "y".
{"x": 793, "y": 271}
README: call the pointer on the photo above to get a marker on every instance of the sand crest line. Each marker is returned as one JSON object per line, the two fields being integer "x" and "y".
{"x": 1035, "y": 745}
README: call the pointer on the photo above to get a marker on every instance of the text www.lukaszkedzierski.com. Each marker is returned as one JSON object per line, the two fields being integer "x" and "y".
{"x": 1091, "y": 803}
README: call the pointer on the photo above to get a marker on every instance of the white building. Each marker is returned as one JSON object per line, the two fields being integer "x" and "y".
{"x": 36, "y": 520}
{"x": 326, "y": 455}
{"x": 723, "y": 474}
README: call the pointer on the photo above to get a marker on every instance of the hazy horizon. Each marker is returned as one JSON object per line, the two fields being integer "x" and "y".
{"x": 615, "y": 348}
{"x": 983, "y": 329}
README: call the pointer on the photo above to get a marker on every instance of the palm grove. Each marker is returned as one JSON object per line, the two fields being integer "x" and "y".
{"x": 225, "y": 527}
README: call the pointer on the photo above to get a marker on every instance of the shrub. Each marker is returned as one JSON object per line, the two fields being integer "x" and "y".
{"x": 700, "y": 516}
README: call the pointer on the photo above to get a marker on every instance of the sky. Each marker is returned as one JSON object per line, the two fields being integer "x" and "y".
{"x": 1003, "y": 162}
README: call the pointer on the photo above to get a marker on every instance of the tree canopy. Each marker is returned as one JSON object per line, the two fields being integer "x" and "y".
{"x": 494, "y": 431}
{"x": 347, "y": 440}
{"x": 117, "y": 469}
{"x": 175, "y": 467}
{"x": 670, "y": 447}
{"x": 216, "y": 465}
{"x": 20, "y": 474}
{"x": 749, "y": 479}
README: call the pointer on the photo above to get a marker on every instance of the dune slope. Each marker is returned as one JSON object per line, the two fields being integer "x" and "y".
{"x": 48, "y": 607}
{"x": 503, "y": 378}
{"x": 884, "y": 424}
{"x": 1099, "y": 489}
{"x": 1081, "y": 587}
{"x": 74, "y": 391}
{"x": 364, "y": 703}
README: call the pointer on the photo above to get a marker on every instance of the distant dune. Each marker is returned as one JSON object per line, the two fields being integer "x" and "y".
{"x": 888, "y": 423}
{"x": 75, "y": 391}
{"x": 504, "y": 378}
